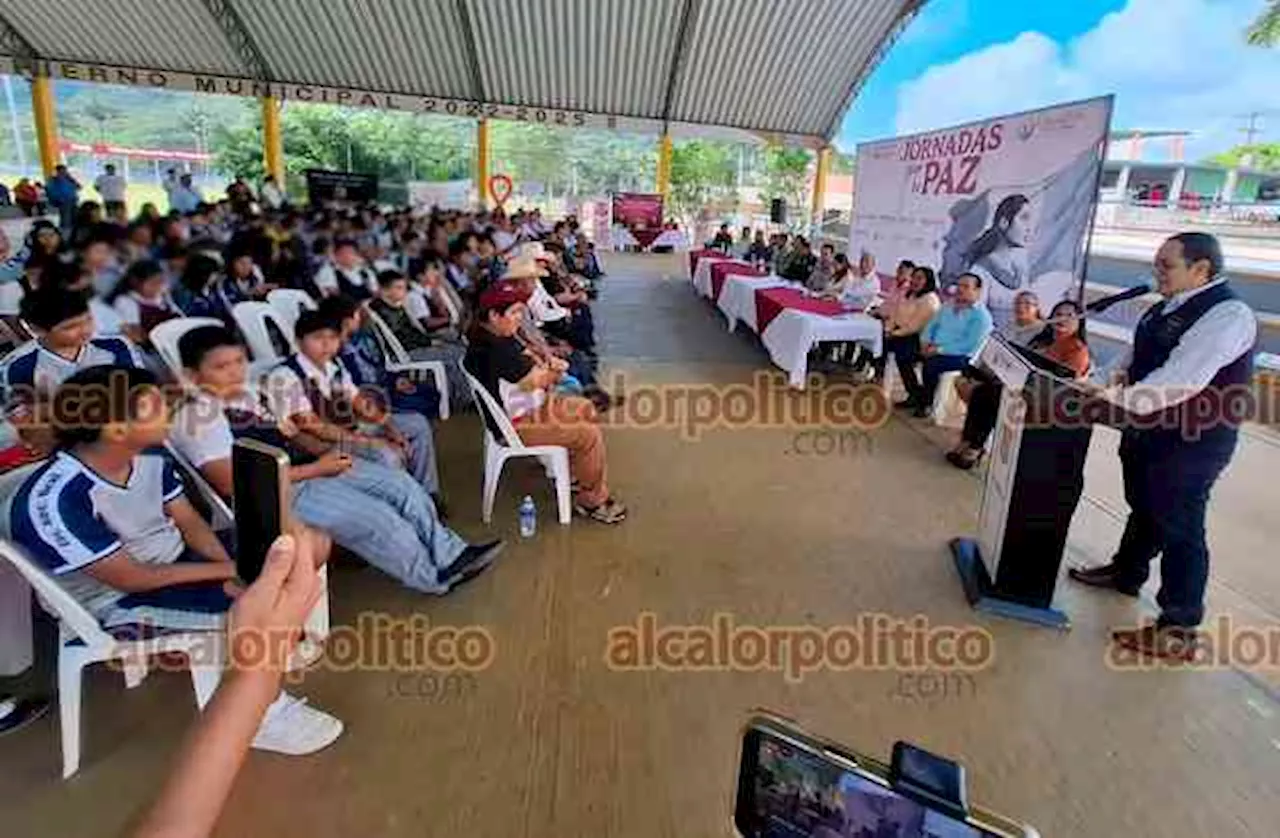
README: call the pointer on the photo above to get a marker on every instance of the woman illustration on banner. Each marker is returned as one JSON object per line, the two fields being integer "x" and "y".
{"x": 999, "y": 255}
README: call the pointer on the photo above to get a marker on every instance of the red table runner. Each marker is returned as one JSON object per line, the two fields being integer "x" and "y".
{"x": 722, "y": 270}
{"x": 771, "y": 301}
{"x": 696, "y": 256}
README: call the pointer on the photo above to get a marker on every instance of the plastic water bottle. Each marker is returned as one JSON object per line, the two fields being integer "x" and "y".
{"x": 528, "y": 518}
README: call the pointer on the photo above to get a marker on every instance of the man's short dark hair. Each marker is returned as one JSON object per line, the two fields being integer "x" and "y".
{"x": 1197, "y": 246}
{"x": 196, "y": 344}
{"x": 345, "y": 242}
{"x": 49, "y": 305}
{"x": 387, "y": 277}
{"x": 310, "y": 322}
{"x": 96, "y": 397}
{"x": 908, "y": 264}
{"x": 101, "y": 233}
{"x": 977, "y": 280}
{"x": 338, "y": 308}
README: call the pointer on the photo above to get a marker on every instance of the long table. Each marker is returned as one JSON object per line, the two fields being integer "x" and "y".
{"x": 789, "y": 320}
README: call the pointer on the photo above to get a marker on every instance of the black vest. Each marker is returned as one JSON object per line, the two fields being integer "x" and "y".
{"x": 335, "y": 409}
{"x": 357, "y": 289}
{"x": 1215, "y": 413}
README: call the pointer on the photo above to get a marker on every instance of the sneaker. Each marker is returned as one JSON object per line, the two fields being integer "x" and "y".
{"x": 293, "y": 728}
{"x": 470, "y": 563}
{"x": 17, "y": 713}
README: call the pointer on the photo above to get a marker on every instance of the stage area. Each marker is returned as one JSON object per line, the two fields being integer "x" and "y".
{"x": 549, "y": 741}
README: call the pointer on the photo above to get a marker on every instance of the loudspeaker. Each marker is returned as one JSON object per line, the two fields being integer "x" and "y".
{"x": 778, "y": 211}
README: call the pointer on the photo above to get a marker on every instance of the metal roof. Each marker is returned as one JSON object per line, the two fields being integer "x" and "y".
{"x": 783, "y": 67}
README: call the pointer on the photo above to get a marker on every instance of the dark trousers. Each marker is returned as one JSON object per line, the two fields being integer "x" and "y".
{"x": 1167, "y": 482}
{"x": 984, "y": 409}
{"x": 921, "y": 391}
{"x": 906, "y": 353}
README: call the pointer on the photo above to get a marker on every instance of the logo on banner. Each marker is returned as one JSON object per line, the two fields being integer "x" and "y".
{"x": 500, "y": 187}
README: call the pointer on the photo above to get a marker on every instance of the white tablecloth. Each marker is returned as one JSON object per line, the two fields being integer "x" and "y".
{"x": 674, "y": 239}
{"x": 793, "y": 333}
{"x": 620, "y": 238}
{"x": 738, "y": 297}
{"x": 702, "y": 275}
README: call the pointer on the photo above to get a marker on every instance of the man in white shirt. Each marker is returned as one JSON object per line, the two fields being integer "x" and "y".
{"x": 185, "y": 198}
{"x": 1186, "y": 388}
{"x": 112, "y": 188}
{"x": 271, "y": 196}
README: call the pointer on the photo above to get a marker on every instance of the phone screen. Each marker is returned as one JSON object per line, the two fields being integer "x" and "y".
{"x": 786, "y": 790}
{"x": 259, "y": 476}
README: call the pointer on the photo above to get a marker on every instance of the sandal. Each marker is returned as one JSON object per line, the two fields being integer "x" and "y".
{"x": 609, "y": 512}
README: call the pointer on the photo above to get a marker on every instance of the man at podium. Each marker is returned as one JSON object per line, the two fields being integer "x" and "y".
{"x": 1186, "y": 390}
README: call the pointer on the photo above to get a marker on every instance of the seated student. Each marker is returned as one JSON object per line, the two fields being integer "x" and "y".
{"x": 1062, "y": 341}
{"x": 96, "y": 250}
{"x": 432, "y": 301}
{"x": 64, "y": 344}
{"x": 346, "y": 272}
{"x": 313, "y": 391}
{"x": 952, "y": 337}
{"x": 578, "y": 329}
{"x": 522, "y": 387}
{"x": 411, "y": 404}
{"x": 391, "y": 305}
{"x": 206, "y": 290}
{"x": 243, "y": 273}
{"x": 142, "y": 301}
{"x": 381, "y": 514}
{"x": 107, "y": 516}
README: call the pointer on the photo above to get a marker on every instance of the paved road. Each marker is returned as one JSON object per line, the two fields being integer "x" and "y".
{"x": 1260, "y": 292}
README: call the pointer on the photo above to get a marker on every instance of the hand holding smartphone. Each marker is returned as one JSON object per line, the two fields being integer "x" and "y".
{"x": 260, "y": 478}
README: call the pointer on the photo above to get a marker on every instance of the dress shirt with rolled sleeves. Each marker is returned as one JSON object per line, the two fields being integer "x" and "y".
{"x": 1221, "y": 335}
{"x": 957, "y": 330}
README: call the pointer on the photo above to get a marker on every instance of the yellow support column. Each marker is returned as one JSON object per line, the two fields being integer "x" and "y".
{"x": 482, "y": 162}
{"x": 820, "y": 186}
{"x": 46, "y": 123}
{"x": 664, "y": 166}
{"x": 272, "y": 140}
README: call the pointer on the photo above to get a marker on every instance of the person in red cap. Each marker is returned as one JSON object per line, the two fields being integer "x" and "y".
{"x": 523, "y": 387}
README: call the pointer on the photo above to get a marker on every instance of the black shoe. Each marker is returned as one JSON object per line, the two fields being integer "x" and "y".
{"x": 921, "y": 412}
{"x": 474, "y": 559}
{"x": 905, "y": 404}
{"x": 21, "y": 713}
{"x": 1103, "y": 576}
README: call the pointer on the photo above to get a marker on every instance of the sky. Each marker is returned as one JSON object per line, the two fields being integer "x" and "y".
{"x": 1172, "y": 64}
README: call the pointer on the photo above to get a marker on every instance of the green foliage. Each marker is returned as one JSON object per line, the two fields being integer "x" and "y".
{"x": 786, "y": 172}
{"x": 703, "y": 173}
{"x": 1264, "y": 156}
{"x": 843, "y": 164}
{"x": 1265, "y": 29}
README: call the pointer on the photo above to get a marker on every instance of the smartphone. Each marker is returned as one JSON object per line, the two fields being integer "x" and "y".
{"x": 260, "y": 477}
{"x": 792, "y": 784}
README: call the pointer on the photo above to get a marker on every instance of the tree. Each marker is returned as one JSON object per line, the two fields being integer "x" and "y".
{"x": 703, "y": 173}
{"x": 1264, "y": 156}
{"x": 1265, "y": 29}
{"x": 843, "y": 164}
{"x": 94, "y": 113}
{"x": 786, "y": 173}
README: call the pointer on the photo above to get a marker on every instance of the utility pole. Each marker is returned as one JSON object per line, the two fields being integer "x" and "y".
{"x": 1253, "y": 130}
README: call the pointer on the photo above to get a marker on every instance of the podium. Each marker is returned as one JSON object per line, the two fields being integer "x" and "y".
{"x": 1033, "y": 484}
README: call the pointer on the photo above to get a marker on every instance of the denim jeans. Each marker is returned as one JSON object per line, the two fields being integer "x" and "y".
{"x": 386, "y": 518}
{"x": 417, "y": 431}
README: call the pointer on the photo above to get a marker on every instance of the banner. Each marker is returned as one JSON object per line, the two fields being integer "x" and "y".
{"x": 640, "y": 213}
{"x": 1009, "y": 199}
{"x": 324, "y": 185}
{"x": 449, "y": 194}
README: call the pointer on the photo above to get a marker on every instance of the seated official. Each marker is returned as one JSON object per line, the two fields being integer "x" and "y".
{"x": 905, "y": 317}
{"x": 523, "y": 386}
{"x": 1062, "y": 341}
{"x": 346, "y": 272}
{"x": 797, "y": 263}
{"x": 856, "y": 288}
{"x": 953, "y": 336}
{"x": 760, "y": 250}
{"x": 381, "y": 514}
{"x": 410, "y": 404}
{"x": 107, "y": 517}
{"x": 392, "y": 305}
{"x": 1027, "y": 325}
{"x": 723, "y": 239}
{"x": 824, "y": 270}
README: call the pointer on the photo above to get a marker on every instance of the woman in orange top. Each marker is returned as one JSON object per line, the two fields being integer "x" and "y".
{"x": 1062, "y": 341}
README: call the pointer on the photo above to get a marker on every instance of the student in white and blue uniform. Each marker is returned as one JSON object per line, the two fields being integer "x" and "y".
{"x": 107, "y": 518}
{"x": 64, "y": 344}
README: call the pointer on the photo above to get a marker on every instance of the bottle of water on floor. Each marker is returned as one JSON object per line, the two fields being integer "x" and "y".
{"x": 528, "y": 518}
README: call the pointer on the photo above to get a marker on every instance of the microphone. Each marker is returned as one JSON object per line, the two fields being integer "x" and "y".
{"x": 1107, "y": 302}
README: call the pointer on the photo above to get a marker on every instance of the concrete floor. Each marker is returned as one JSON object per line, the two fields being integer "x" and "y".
{"x": 549, "y": 741}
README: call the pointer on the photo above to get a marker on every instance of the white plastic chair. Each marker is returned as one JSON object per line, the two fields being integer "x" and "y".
{"x": 82, "y": 640}
{"x": 166, "y": 335}
{"x": 554, "y": 458}
{"x": 252, "y": 319}
{"x": 289, "y": 303}
{"x": 398, "y": 359}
